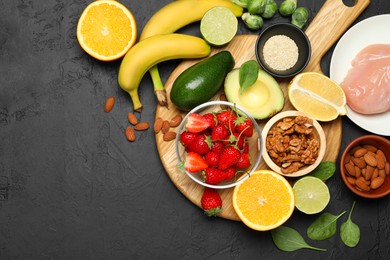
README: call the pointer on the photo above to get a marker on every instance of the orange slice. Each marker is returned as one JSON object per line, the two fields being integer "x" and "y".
{"x": 106, "y": 30}
{"x": 264, "y": 201}
{"x": 317, "y": 96}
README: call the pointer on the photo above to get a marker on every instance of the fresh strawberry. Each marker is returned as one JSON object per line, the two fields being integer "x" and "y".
{"x": 211, "y": 202}
{"x": 213, "y": 175}
{"x": 186, "y": 138}
{"x": 194, "y": 162}
{"x": 230, "y": 173}
{"x": 245, "y": 126}
{"x": 227, "y": 117}
{"x": 217, "y": 147}
{"x": 210, "y": 118}
{"x": 212, "y": 158}
{"x": 201, "y": 144}
{"x": 230, "y": 155}
{"x": 219, "y": 132}
{"x": 196, "y": 123}
{"x": 244, "y": 161}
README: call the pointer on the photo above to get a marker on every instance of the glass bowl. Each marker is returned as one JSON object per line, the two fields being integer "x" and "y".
{"x": 255, "y": 148}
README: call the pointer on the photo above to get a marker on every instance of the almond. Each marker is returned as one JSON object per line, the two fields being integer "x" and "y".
{"x": 370, "y": 159}
{"x": 175, "y": 121}
{"x": 381, "y": 159}
{"x": 358, "y": 172}
{"x": 169, "y": 136}
{"x": 165, "y": 127}
{"x": 387, "y": 168}
{"x": 370, "y": 147}
{"x": 361, "y": 184}
{"x": 132, "y": 118}
{"x": 158, "y": 124}
{"x": 141, "y": 126}
{"x": 360, "y": 152}
{"x": 375, "y": 174}
{"x": 350, "y": 169}
{"x": 382, "y": 173}
{"x": 359, "y": 162}
{"x": 109, "y": 105}
{"x": 369, "y": 172}
{"x": 130, "y": 135}
{"x": 377, "y": 182}
{"x": 351, "y": 180}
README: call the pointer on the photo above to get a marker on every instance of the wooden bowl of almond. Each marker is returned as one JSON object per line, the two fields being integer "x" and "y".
{"x": 294, "y": 144}
{"x": 365, "y": 168}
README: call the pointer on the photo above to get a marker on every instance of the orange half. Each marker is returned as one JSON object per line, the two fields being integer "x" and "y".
{"x": 264, "y": 201}
{"x": 106, "y": 30}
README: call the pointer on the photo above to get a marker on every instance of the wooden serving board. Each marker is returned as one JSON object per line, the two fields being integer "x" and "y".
{"x": 333, "y": 19}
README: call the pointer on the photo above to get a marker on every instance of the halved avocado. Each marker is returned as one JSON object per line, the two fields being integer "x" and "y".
{"x": 262, "y": 100}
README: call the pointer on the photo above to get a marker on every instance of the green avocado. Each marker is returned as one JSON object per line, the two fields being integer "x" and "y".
{"x": 262, "y": 100}
{"x": 200, "y": 82}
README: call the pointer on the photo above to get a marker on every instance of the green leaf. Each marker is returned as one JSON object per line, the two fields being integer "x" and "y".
{"x": 248, "y": 74}
{"x": 349, "y": 231}
{"x": 323, "y": 227}
{"x": 288, "y": 239}
{"x": 324, "y": 170}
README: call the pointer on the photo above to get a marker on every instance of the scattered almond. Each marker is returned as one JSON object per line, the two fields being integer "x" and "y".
{"x": 158, "y": 124}
{"x": 169, "y": 136}
{"x": 141, "y": 126}
{"x": 175, "y": 121}
{"x": 165, "y": 127}
{"x": 132, "y": 118}
{"x": 109, "y": 105}
{"x": 130, "y": 135}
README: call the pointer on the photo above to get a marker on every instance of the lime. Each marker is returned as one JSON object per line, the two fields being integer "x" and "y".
{"x": 311, "y": 195}
{"x": 218, "y": 26}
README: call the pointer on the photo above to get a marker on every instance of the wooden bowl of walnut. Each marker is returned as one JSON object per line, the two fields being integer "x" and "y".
{"x": 293, "y": 143}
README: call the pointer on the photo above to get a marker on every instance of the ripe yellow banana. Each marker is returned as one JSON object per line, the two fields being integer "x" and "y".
{"x": 153, "y": 50}
{"x": 178, "y": 14}
{"x": 174, "y": 16}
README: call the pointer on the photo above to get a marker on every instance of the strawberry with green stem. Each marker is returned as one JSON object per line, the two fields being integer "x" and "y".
{"x": 211, "y": 202}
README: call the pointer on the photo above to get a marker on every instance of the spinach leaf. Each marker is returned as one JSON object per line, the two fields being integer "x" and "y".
{"x": 248, "y": 74}
{"x": 288, "y": 239}
{"x": 323, "y": 227}
{"x": 349, "y": 231}
{"x": 324, "y": 170}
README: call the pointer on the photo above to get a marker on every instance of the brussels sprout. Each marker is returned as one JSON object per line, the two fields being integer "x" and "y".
{"x": 287, "y": 7}
{"x": 300, "y": 17}
{"x": 270, "y": 9}
{"x": 242, "y": 3}
{"x": 252, "y": 21}
{"x": 256, "y": 6}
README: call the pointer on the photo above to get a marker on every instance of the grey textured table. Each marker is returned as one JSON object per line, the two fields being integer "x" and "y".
{"x": 72, "y": 187}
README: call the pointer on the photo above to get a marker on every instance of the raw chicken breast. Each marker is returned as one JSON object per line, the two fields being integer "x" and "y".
{"x": 367, "y": 84}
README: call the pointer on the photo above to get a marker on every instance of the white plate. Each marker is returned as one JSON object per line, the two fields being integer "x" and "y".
{"x": 369, "y": 31}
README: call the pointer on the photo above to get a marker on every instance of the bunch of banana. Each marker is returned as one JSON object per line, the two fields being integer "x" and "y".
{"x": 151, "y": 50}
